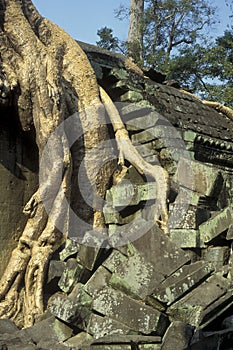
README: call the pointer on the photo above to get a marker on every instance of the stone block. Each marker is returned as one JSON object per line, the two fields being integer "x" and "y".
{"x": 63, "y": 308}
{"x": 74, "y": 308}
{"x": 177, "y": 336}
{"x": 189, "y": 136}
{"x": 110, "y": 347}
{"x": 186, "y": 238}
{"x": 130, "y": 338}
{"x": 146, "y": 150}
{"x": 112, "y": 216}
{"x": 229, "y": 235}
{"x": 98, "y": 280}
{"x": 71, "y": 275}
{"x": 149, "y": 347}
{"x": 174, "y": 154}
{"x": 186, "y": 216}
{"x": 114, "y": 261}
{"x": 48, "y": 330}
{"x": 153, "y": 159}
{"x": 154, "y": 133}
{"x": 7, "y": 326}
{"x": 71, "y": 248}
{"x": 182, "y": 282}
{"x": 100, "y": 327}
{"x": 128, "y": 194}
{"x": 132, "y": 96}
{"x": 132, "y": 313}
{"x": 79, "y": 340}
{"x": 143, "y": 119}
{"x": 137, "y": 274}
{"x": 202, "y": 304}
{"x": 55, "y": 270}
{"x": 187, "y": 197}
{"x": 89, "y": 251}
{"x": 216, "y": 256}
{"x": 216, "y": 225}
{"x": 199, "y": 177}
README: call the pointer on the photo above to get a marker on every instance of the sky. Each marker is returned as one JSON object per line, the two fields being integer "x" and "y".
{"x": 81, "y": 19}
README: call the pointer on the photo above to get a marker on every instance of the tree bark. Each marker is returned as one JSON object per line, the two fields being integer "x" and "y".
{"x": 135, "y": 33}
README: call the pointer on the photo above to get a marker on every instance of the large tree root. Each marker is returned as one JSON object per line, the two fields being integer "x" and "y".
{"x": 129, "y": 152}
{"x": 52, "y": 79}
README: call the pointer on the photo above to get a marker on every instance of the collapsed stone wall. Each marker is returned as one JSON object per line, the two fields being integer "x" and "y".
{"x": 145, "y": 290}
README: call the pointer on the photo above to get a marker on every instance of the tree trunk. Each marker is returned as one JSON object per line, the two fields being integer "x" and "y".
{"x": 56, "y": 92}
{"x": 135, "y": 33}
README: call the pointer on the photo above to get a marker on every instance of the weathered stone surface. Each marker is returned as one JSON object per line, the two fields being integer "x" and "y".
{"x": 187, "y": 197}
{"x": 177, "y": 336}
{"x": 89, "y": 250}
{"x": 189, "y": 136}
{"x": 124, "y": 339}
{"x": 156, "y": 132}
{"x": 100, "y": 327}
{"x": 134, "y": 314}
{"x": 153, "y": 159}
{"x": 79, "y": 340}
{"x": 7, "y": 326}
{"x": 187, "y": 216}
{"x": 71, "y": 275}
{"x": 199, "y": 305}
{"x": 216, "y": 225}
{"x": 199, "y": 177}
{"x": 134, "y": 277}
{"x": 114, "y": 261}
{"x": 182, "y": 281}
{"x": 146, "y": 150}
{"x": 110, "y": 347}
{"x": 132, "y": 96}
{"x": 216, "y": 256}
{"x": 71, "y": 248}
{"x": 98, "y": 280}
{"x": 175, "y": 154}
{"x": 112, "y": 216}
{"x": 149, "y": 347}
{"x": 129, "y": 194}
{"x": 186, "y": 238}
{"x": 137, "y": 274}
{"x": 72, "y": 309}
{"x": 55, "y": 270}
{"x": 16, "y": 344}
{"x": 48, "y": 330}
{"x": 143, "y": 118}
{"x": 229, "y": 235}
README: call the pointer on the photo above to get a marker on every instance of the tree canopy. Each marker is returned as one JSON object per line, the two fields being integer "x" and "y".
{"x": 176, "y": 39}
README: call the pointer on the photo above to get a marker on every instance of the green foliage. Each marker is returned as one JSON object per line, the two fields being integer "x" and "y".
{"x": 176, "y": 41}
{"x": 207, "y": 70}
{"x": 169, "y": 25}
{"x": 107, "y": 40}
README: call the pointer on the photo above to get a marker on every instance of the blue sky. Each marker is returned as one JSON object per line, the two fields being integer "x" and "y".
{"x": 81, "y": 19}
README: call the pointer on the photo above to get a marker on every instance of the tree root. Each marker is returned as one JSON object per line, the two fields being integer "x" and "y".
{"x": 129, "y": 152}
{"x": 220, "y": 108}
{"x": 216, "y": 105}
{"x": 55, "y": 79}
